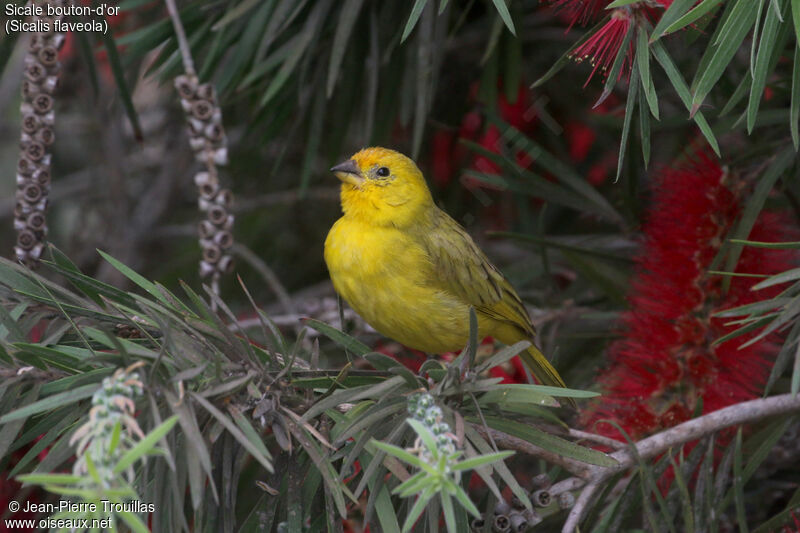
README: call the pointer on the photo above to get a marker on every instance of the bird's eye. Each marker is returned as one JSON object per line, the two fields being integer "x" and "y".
{"x": 383, "y": 172}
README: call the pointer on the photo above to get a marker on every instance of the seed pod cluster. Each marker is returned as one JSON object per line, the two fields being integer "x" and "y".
{"x": 208, "y": 141}
{"x": 39, "y": 83}
{"x": 508, "y": 518}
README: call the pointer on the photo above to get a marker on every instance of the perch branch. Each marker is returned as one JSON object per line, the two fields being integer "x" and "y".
{"x": 742, "y": 413}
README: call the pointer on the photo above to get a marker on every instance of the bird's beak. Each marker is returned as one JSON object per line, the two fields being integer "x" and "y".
{"x": 349, "y": 172}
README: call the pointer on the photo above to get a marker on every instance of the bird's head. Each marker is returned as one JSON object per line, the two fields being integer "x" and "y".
{"x": 382, "y": 187}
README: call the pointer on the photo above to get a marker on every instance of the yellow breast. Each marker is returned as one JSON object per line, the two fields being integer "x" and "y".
{"x": 385, "y": 276}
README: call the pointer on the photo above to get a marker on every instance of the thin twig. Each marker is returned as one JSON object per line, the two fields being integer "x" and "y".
{"x": 576, "y": 513}
{"x": 267, "y": 273}
{"x": 180, "y": 34}
{"x": 286, "y": 197}
{"x": 597, "y": 439}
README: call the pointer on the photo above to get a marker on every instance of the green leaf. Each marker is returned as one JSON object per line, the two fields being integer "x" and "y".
{"x": 475, "y": 462}
{"x": 502, "y": 356}
{"x": 51, "y": 402}
{"x": 418, "y": 508}
{"x": 449, "y": 513}
{"x": 563, "y": 172}
{"x": 643, "y": 60}
{"x": 791, "y": 344}
{"x": 616, "y": 67}
{"x": 344, "y": 29}
{"x": 50, "y": 479}
{"x": 135, "y": 277}
{"x": 133, "y": 521}
{"x": 339, "y": 337}
{"x": 257, "y": 451}
{"x": 122, "y": 84}
{"x": 683, "y": 492}
{"x": 633, "y": 92}
{"x": 794, "y": 112}
{"x": 796, "y": 19}
{"x": 502, "y": 470}
{"x": 644, "y": 132}
{"x": 735, "y": 29}
{"x": 674, "y": 12}
{"x": 738, "y": 484}
{"x": 550, "y": 442}
{"x": 424, "y": 434}
{"x": 416, "y": 11}
{"x": 661, "y": 55}
{"x": 502, "y": 9}
{"x": 12, "y": 426}
{"x": 234, "y": 13}
{"x": 307, "y": 35}
{"x": 381, "y": 361}
{"x": 387, "y": 515}
{"x": 769, "y": 36}
{"x": 146, "y": 445}
{"x": 89, "y": 286}
{"x": 6, "y": 47}
{"x": 698, "y": 11}
{"x": 398, "y": 452}
{"x": 784, "y": 277}
{"x": 353, "y": 395}
{"x": 517, "y": 393}
{"x": 753, "y": 207}
{"x": 620, "y": 3}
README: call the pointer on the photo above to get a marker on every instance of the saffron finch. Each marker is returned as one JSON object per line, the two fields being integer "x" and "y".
{"x": 411, "y": 271}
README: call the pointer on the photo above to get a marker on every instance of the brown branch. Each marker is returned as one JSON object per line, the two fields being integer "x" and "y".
{"x": 180, "y": 35}
{"x": 650, "y": 447}
{"x": 287, "y": 197}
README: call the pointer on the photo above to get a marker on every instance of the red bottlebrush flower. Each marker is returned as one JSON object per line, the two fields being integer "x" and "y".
{"x": 666, "y": 361}
{"x": 442, "y": 157}
{"x": 512, "y": 371}
{"x": 602, "y": 169}
{"x": 602, "y": 47}
{"x": 580, "y": 11}
{"x": 491, "y": 142}
{"x": 580, "y": 139}
{"x": 519, "y": 113}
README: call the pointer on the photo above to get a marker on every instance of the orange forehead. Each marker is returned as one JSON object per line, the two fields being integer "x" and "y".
{"x": 377, "y": 156}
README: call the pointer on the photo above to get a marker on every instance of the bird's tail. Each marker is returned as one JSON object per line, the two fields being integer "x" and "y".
{"x": 542, "y": 370}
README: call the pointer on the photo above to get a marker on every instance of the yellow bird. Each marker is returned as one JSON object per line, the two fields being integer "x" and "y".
{"x": 411, "y": 271}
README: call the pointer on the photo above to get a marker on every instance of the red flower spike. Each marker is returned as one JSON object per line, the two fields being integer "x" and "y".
{"x": 441, "y": 157}
{"x": 603, "y": 46}
{"x": 666, "y": 361}
{"x": 580, "y": 11}
{"x": 580, "y": 139}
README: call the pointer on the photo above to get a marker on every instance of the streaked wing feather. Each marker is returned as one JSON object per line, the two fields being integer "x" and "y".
{"x": 463, "y": 269}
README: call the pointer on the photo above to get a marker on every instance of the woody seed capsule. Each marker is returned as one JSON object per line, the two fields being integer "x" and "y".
{"x": 217, "y": 214}
{"x": 35, "y": 151}
{"x": 225, "y": 264}
{"x": 48, "y": 56}
{"x": 46, "y": 136}
{"x": 26, "y": 239}
{"x": 35, "y": 72}
{"x": 211, "y": 254}
{"x": 32, "y": 193}
{"x": 30, "y": 123}
{"x": 42, "y": 103}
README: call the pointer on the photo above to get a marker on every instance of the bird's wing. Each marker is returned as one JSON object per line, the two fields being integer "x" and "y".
{"x": 461, "y": 268}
